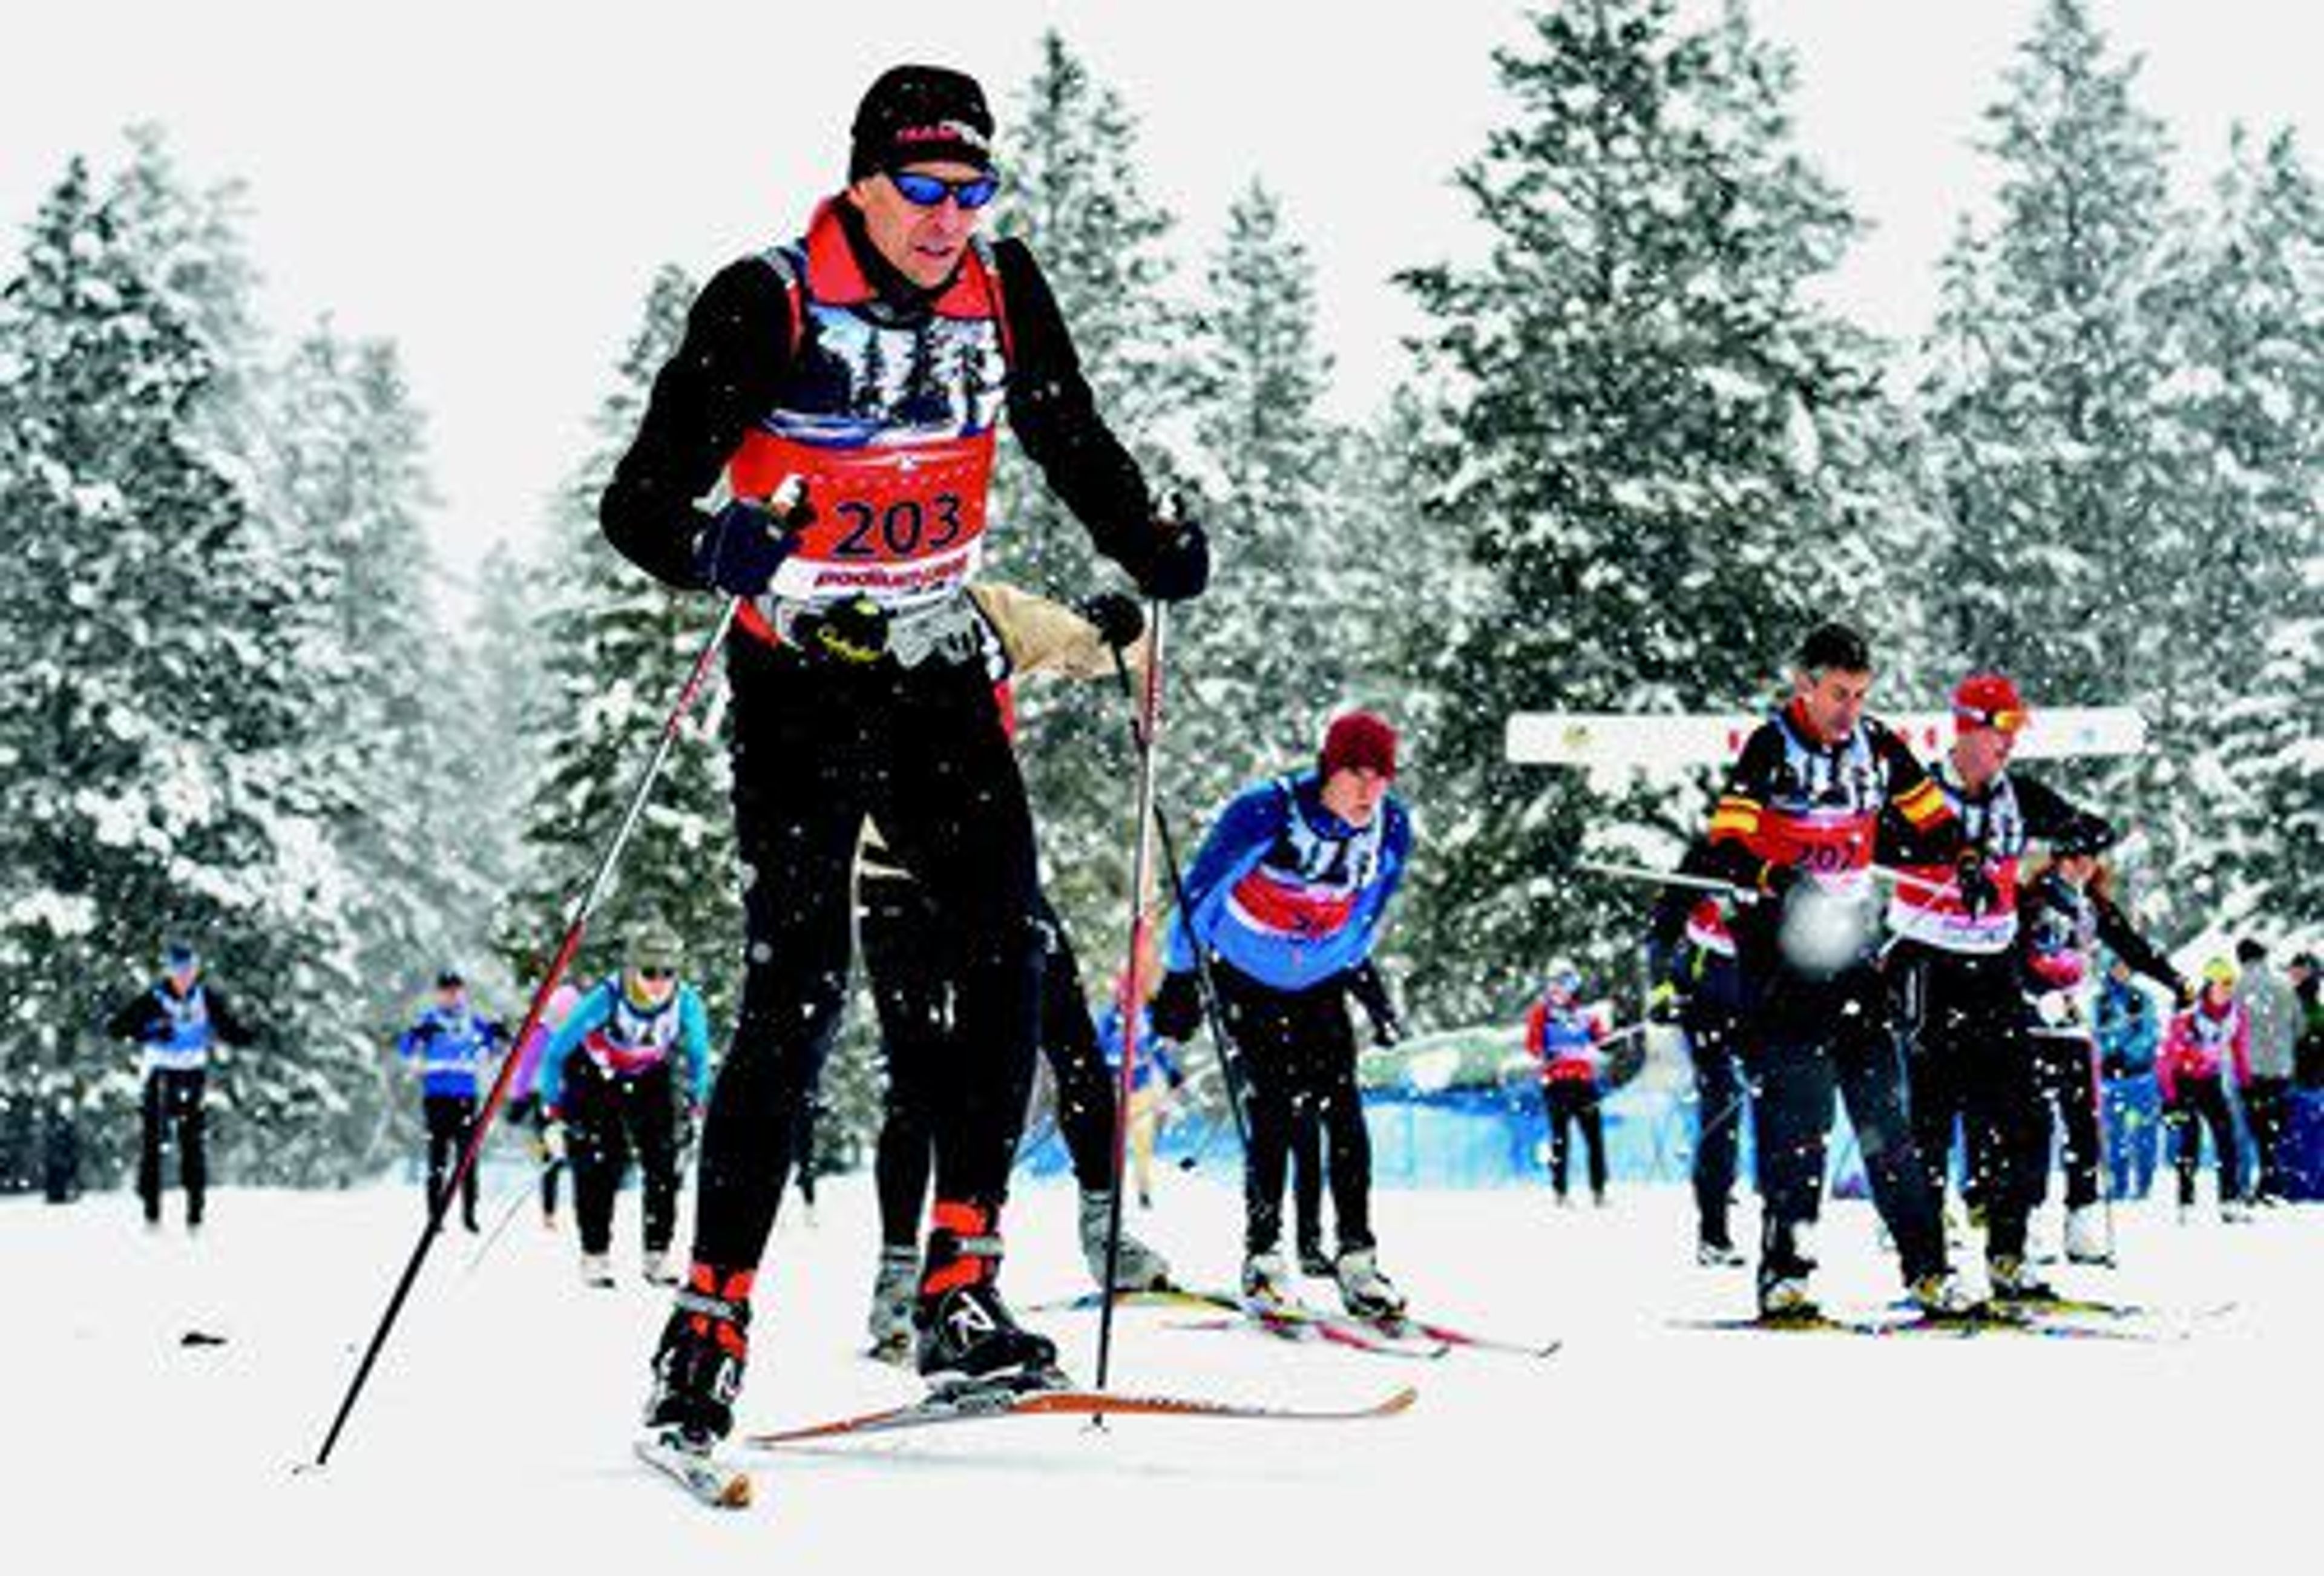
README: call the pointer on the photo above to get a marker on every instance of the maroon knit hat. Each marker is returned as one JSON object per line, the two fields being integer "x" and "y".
{"x": 1359, "y": 738}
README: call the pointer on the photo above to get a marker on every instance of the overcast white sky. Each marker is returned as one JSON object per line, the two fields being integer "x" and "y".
{"x": 492, "y": 185}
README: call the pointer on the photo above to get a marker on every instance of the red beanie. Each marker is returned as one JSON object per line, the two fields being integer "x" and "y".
{"x": 1359, "y": 738}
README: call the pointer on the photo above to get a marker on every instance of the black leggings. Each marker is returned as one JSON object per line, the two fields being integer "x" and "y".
{"x": 817, "y": 749}
{"x": 914, "y": 1002}
{"x": 2066, "y": 1078}
{"x": 2205, "y": 1099}
{"x": 1711, "y": 1036}
{"x": 171, "y": 1107}
{"x": 1572, "y": 1102}
{"x": 605, "y": 1119}
{"x": 451, "y": 1118}
{"x": 1297, "y": 1044}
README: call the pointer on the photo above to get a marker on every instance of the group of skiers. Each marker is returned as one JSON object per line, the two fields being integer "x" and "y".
{"x": 1920, "y": 941}
{"x": 836, "y": 398}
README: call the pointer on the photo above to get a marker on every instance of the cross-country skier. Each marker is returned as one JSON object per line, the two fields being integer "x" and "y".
{"x": 906, "y": 958}
{"x": 1285, "y": 900}
{"x": 2208, "y": 1040}
{"x": 446, "y": 1046}
{"x": 611, "y": 1078}
{"x": 870, "y": 360}
{"x": 1691, "y": 959}
{"x": 2065, "y": 910}
{"x": 1955, "y": 976}
{"x": 177, "y": 1020}
{"x": 2124, "y": 1024}
{"x": 1565, "y": 1036}
{"x": 1797, "y": 828}
{"x": 2274, "y": 1012}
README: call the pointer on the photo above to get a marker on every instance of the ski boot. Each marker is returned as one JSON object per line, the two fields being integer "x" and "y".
{"x": 697, "y": 1368}
{"x": 1136, "y": 1266}
{"x": 658, "y": 1268}
{"x": 1786, "y": 1299}
{"x": 1266, "y": 1279}
{"x": 596, "y": 1270}
{"x": 2015, "y": 1280}
{"x": 968, "y": 1340}
{"x": 1716, "y": 1253}
{"x": 892, "y": 1290}
{"x": 1937, "y": 1295}
{"x": 2086, "y": 1239}
{"x": 1364, "y": 1291}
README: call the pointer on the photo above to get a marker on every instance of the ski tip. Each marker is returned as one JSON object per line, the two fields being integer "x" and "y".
{"x": 1401, "y": 1400}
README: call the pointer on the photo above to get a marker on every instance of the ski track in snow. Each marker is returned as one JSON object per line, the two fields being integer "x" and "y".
{"x": 495, "y": 1429}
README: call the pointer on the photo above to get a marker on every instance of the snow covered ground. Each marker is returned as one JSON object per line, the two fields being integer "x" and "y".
{"x": 494, "y": 1432}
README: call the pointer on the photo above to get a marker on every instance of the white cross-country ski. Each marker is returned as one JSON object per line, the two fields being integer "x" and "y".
{"x": 971, "y": 1405}
{"x": 696, "y": 1471}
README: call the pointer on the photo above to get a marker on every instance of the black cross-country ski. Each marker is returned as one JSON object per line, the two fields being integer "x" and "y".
{"x": 1286, "y": 1321}
{"x": 969, "y": 1405}
{"x": 722, "y": 1487}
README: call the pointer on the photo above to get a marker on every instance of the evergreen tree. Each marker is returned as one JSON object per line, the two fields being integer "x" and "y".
{"x": 159, "y": 778}
{"x": 1621, "y": 450}
{"x": 1073, "y": 193}
{"x": 1263, "y": 661}
{"x": 2048, "y": 366}
{"x": 618, "y": 646}
{"x": 2243, "y": 294}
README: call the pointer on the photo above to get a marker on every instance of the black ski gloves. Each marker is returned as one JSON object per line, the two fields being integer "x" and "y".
{"x": 743, "y": 546}
{"x": 1176, "y": 564}
{"x": 1119, "y": 619}
{"x": 1176, "y": 1010}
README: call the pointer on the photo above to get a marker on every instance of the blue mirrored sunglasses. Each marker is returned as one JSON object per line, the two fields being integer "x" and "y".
{"x": 925, "y": 191}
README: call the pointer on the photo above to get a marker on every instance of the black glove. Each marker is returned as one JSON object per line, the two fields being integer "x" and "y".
{"x": 1388, "y": 1030}
{"x": 2182, "y": 991}
{"x": 1176, "y": 1010}
{"x": 425, "y": 1029}
{"x": 747, "y": 541}
{"x": 1119, "y": 619}
{"x": 1978, "y": 894}
{"x": 854, "y": 632}
{"x": 1177, "y": 566}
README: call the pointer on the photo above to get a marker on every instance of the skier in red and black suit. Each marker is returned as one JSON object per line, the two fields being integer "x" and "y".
{"x": 1954, "y": 977}
{"x": 871, "y": 360}
{"x": 1796, "y": 830}
{"x": 1691, "y": 958}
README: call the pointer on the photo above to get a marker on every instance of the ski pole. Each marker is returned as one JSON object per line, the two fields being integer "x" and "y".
{"x": 1142, "y": 861}
{"x": 523, "y": 1190}
{"x": 583, "y": 907}
{"x": 1230, "y": 1057}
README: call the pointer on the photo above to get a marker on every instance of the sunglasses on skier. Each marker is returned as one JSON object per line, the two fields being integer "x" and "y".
{"x": 925, "y": 191}
{"x": 2008, "y": 719}
{"x": 657, "y": 972}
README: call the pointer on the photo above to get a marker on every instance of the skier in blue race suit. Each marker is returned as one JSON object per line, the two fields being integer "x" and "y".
{"x": 178, "y": 1021}
{"x": 447, "y": 1045}
{"x": 1285, "y": 900}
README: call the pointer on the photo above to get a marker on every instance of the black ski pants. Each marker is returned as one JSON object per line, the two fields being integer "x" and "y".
{"x": 819, "y": 746}
{"x": 914, "y": 1000}
{"x": 1713, "y": 1032}
{"x": 2267, "y": 1107}
{"x": 1962, "y": 1020}
{"x": 170, "y": 1110}
{"x": 607, "y": 1119}
{"x": 450, "y": 1118}
{"x": 2066, "y": 1085}
{"x": 1295, "y": 1046}
{"x": 1572, "y": 1103}
{"x": 2204, "y": 1099}
{"x": 1806, "y": 1039}
{"x": 1307, "y": 1176}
